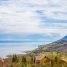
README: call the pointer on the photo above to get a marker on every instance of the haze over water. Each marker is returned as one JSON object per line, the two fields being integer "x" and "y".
{"x": 17, "y": 48}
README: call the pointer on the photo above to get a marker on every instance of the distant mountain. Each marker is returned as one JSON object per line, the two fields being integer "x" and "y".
{"x": 59, "y": 46}
{"x": 64, "y": 38}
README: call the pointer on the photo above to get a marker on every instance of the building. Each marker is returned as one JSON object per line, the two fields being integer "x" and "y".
{"x": 41, "y": 59}
{"x": 1, "y": 62}
{"x": 64, "y": 59}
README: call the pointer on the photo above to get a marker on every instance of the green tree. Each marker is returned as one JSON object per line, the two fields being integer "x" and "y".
{"x": 23, "y": 59}
{"x": 56, "y": 59}
{"x": 11, "y": 65}
{"x": 15, "y": 58}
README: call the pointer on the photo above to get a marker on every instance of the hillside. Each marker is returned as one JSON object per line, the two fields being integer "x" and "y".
{"x": 51, "y": 56}
{"x": 59, "y": 46}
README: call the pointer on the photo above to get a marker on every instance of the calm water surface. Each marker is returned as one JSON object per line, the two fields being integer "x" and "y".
{"x": 17, "y": 48}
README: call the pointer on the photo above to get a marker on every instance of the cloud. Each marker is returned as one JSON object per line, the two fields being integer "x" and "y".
{"x": 33, "y": 17}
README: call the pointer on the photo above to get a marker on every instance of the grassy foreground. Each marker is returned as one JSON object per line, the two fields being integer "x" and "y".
{"x": 55, "y": 60}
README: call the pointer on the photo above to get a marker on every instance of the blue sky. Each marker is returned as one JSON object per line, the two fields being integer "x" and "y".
{"x": 33, "y": 20}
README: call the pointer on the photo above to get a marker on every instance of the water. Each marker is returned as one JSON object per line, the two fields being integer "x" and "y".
{"x": 16, "y": 48}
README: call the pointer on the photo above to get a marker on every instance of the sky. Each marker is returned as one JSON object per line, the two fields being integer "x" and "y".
{"x": 33, "y": 20}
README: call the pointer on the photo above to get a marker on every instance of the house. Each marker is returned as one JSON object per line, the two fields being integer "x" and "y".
{"x": 64, "y": 59}
{"x": 41, "y": 59}
{"x": 1, "y": 62}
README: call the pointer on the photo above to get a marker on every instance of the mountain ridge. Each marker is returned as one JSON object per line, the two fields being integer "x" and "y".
{"x": 65, "y": 37}
{"x": 59, "y": 46}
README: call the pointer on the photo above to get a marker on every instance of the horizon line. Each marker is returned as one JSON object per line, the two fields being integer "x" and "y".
{"x": 7, "y": 41}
